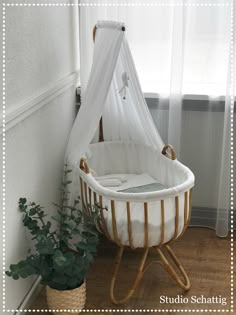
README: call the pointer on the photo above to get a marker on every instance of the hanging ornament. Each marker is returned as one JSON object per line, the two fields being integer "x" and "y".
{"x": 125, "y": 79}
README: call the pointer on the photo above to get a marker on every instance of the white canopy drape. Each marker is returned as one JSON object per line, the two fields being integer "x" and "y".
{"x": 113, "y": 92}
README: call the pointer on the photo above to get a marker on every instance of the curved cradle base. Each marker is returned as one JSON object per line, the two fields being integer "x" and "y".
{"x": 164, "y": 262}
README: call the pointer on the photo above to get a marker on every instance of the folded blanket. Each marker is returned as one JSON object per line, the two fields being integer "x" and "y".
{"x": 110, "y": 182}
{"x": 121, "y": 177}
{"x": 124, "y": 182}
{"x": 145, "y": 188}
{"x": 137, "y": 180}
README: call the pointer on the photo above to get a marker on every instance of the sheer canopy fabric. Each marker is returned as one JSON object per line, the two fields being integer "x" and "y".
{"x": 113, "y": 92}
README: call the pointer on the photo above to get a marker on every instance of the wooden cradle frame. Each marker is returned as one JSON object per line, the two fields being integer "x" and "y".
{"x": 164, "y": 261}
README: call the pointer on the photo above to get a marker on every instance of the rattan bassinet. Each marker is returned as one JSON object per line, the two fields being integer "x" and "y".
{"x": 143, "y": 191}
{"x": 144, "y": 219}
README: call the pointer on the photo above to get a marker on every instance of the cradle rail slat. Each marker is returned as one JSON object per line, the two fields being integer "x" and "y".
{"x": 189, "y": 207}
{"x": 186, "y": 213}
{"x": 94, "y": 197}
{"x": 162, "y": 222}
{"x": 104, "y": 225}
{"x": 176, "y": 218}
{"x": 90, "y": 201}
{"x": 100, "y": 226}
{"x": 129, "y": 225}
{"x": 190, "y": 203}
{"x": 145, "y": 224}
{"x": 185, "y": 208}
{"x": 114, "y": 227}
{"x": 86, "y": 197}
{"x": 82, "y": 193}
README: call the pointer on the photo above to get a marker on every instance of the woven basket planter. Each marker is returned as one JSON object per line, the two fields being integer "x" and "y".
{"x": 73, "y": 300}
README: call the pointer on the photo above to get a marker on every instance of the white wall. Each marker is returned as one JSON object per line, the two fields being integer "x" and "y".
{"x": 41, "y": 73}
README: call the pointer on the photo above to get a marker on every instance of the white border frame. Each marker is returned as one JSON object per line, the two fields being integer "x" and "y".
{"x": 203, "y": 4}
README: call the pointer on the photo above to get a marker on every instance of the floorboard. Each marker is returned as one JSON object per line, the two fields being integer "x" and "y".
{"x": 205, "y": 257}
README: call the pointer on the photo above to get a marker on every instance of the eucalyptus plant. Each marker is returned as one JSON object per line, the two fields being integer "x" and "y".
{"x": 61, "y": 262}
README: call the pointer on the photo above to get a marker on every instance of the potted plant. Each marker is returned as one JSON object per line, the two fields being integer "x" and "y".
{"x": 61, "y": 261}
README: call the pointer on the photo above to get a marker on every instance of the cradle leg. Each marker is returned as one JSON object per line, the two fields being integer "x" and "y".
{"x": 168, "y": 267}
{"x": 136, "y": 281}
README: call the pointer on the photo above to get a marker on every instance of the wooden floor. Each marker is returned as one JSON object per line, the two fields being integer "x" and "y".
{"x": 205, "y": 257}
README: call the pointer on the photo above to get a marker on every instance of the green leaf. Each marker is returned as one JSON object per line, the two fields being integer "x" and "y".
{"x": 35, "y": 231}
{"x": 74, "y": 282}
{"x": 67, "y": 171}
{"x": 91, "y": 231}
{"x": 15, "y": 276}
{"x": 26, "y": 220}
{"x": 59, "y": 260}
{"x": 70, "y": 223}
{"x": 48, "y": 225}
{"x": 32, "y": 224}
{"x": 56, "y": 217}
{"x": 26, "y": 270}
{"x": 45, "y": 268}
{"x": 41, "y": 238}
{"x": 41, "y": 214}
{"x": 45, "y": 246}
{"x": 75, "y": 231}
{"x": 56, "y": 205}
{"x": 22, "y": 201}
{"x": 89, "y": 257}
{"x": 22, "y": 269}
{"x": 81, "y": 246}
{"x": 32, "y": 211}
{"x": 59, "y": 278}
{"x": 56, "y": 285}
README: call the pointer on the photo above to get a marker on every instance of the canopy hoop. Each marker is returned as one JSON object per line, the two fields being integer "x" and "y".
{"x": 95, "y": 29}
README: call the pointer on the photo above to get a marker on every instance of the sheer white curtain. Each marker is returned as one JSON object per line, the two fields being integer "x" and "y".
{"x": 183, "y": 59}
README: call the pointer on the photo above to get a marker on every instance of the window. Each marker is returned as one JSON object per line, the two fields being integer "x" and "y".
{"x": 177, "y": 49}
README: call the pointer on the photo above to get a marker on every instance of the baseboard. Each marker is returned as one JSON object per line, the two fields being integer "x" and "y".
{"x": 206, "y": 217}
{"x": 29, "y": 298}
{"x": 33, "y": 104}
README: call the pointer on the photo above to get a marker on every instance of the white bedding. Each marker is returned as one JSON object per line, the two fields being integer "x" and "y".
{"x": 131, "y": 172}
{"x": 125, "y": 182}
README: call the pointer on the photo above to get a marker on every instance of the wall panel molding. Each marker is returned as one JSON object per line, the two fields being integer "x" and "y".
{"x": 33, "y": 104}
